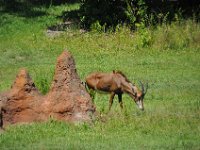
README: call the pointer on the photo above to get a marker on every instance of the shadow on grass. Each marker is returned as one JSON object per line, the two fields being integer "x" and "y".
{"x": 28, "y": 10}
{"x": 70, "y": 19}
{"x": 21, "y": 9}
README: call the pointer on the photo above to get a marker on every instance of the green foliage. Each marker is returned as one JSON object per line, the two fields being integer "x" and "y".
{"x": 145, "y": 38}
{"x": 110, "y": 13}
{"x": 177, "y": 35}
{"x": 136, "y": 12}
{"x": 96, "y": 26}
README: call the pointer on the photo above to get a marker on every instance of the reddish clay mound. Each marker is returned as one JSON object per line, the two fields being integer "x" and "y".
{"x": 67, "y": 99}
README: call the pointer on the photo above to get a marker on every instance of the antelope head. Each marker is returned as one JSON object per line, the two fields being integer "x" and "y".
{"x": 139, "y": 95}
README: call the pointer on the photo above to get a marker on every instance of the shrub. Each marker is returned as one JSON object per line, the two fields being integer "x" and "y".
{"x": 110, "y": 13}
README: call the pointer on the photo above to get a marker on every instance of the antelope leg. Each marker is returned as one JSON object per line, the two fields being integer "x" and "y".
{"x": 120, "y": 100}
{"x": 111, "y": 100}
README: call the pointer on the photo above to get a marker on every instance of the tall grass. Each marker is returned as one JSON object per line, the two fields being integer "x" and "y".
{"x": 166, "y": 56}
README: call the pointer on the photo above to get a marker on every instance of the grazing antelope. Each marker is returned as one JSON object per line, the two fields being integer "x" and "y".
{"x": 116, "y": 83}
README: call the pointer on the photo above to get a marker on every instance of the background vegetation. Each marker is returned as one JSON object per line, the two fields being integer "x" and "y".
{"x": 166, "y": 55}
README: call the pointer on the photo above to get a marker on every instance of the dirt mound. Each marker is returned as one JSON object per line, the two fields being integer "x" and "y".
{"x": 67, "y": 99}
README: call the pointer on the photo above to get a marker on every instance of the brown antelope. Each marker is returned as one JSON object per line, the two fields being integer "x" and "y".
{"x": 116, "y": 83}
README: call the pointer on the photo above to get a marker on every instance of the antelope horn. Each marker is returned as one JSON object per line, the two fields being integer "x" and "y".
{"x": 144, "y": 91}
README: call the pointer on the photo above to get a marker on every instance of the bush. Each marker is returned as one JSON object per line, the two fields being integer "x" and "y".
{"x": 110, "y": 13}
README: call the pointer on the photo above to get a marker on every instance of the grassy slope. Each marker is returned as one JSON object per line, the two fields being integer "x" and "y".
{"x": 170, "y": 64}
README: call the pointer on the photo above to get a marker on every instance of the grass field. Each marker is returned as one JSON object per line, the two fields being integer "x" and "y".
{"x": 166, "y": 56}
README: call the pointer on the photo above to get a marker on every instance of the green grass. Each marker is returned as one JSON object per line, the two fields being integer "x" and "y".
{"x": 166, "y": 56}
